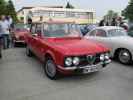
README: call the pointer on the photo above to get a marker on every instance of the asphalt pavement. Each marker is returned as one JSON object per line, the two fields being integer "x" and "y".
{"x": 22, "y": 78}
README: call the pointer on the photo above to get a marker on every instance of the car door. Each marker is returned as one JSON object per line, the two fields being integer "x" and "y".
{"x": 31, "y": 37}
{"x": 100, "y": 36}
{"x": 36, "y": 38}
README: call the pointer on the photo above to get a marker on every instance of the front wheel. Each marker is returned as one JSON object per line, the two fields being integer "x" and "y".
{"x": 125, "y": 57}
{"x": 0, "y": 55}
{"x": 50, "y": 69}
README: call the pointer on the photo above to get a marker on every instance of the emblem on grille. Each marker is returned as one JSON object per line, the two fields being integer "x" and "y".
{"x": 91, "y": 59}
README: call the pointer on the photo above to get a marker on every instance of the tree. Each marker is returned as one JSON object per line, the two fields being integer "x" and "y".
{"x": 2, "y": 7}
{"x": 110, "y": 15}
{"x": 10, "y": 10}
{"x": 128, "y": 11}
{"x": 69, "y": 6}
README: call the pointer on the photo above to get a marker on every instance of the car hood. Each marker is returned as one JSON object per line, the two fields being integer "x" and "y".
{"x": 20, "y": 33}
{"x": 77, "y": 46}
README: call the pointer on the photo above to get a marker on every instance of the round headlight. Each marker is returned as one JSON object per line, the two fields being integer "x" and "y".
{"x": 106, "y": 57}
{"x": 68, "y": 61}
{"x": 76, "y": 60}
{"x": 102, "y": 57}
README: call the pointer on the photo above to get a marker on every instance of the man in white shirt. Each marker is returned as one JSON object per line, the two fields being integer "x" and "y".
{"x": 1, "y": 38}
{"x": 5, "y": 31}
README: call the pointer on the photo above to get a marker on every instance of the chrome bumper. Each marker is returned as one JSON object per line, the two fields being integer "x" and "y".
{"x": 19, "y": 41}
{"x": 88, "y": 66}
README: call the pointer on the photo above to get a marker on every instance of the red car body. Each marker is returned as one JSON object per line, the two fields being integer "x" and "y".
{"x": 18, "y": 36}
{"x": 58, "y": 48}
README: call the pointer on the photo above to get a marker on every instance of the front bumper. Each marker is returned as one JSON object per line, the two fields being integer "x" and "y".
{"x": 84, "y": 69}
{"x": 19, "y": 41}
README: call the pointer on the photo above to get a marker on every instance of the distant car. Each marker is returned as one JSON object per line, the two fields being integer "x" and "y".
{"x": 19, "y": 33}
{"x": 115, "y": 38}
{"x": 62, "y": 50}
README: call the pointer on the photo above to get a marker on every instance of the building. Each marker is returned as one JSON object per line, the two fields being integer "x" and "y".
{"x": 24, "y": 11}
{"x": 79, "y": 16}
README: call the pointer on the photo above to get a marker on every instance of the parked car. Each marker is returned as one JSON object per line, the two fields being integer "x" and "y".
{"x": 62, "y": 50}
{"x": 115, "y": 38}
{"x": 19, "y": 33}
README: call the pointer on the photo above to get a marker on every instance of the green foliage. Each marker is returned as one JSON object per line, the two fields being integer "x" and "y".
{"x": 110, "y": 15}
{"x": 2, "y": 7}
{"x": 7, "y": 8}
{"x": 10, "y": 10}
{"x": 128, "y": 11}
{"x": 69, "y": 6}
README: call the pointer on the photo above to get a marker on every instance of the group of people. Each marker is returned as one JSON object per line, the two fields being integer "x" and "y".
{"x": 6, "y": 25}
{"x": 115, "y": 22}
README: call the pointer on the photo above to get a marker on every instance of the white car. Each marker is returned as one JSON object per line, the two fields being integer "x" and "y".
{"x": 116, "y": 39}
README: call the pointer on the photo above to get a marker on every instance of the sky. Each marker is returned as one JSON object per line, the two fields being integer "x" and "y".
{"x": 101, "y": 6}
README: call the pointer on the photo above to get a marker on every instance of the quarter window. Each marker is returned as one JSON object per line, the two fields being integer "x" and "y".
{"x": 93, "y": 33}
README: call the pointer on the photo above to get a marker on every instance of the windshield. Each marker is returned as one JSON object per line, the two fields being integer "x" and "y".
{"x": 61, "y": 30}
{"x": 117, "y": 32}
{"x": 20, "y": 27}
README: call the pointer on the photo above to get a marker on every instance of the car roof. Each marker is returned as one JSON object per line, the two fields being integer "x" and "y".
{"x": 106, "y": 28}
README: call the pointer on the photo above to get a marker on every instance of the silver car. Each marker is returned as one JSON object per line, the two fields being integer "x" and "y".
{"x": 116, "y": 39}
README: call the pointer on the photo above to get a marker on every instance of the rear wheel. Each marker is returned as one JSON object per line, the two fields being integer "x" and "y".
{"x": 124, "y": 56}
{"x": 50, "y": 69}
{"x": 28, "y": 52}
{"x": 0, "y": 51}
{"x": 0, "y": 55}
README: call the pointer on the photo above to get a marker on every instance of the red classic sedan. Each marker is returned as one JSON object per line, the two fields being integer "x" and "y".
{"x": 62, "y": 50}
{"x": 19, "y": 33}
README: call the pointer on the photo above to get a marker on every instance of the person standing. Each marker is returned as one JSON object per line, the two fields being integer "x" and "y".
{"x": 102, "y": 22}
{"x": 114, "y": 22}
{"x": 5, "y": 31}
{"x": 1, "y": 39}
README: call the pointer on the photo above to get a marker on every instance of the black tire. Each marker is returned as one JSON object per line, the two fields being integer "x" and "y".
{"x": 0, "y": 55}
{"x": 28, "y": 52}
{"x": 126, "y": 55}
{"x": 51, "y": 75}
{"x": 0, "y": 52}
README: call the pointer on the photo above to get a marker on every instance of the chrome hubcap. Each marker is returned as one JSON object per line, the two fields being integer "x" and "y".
{"x": 50, "y": 68}
{"x": 124, "y": 56}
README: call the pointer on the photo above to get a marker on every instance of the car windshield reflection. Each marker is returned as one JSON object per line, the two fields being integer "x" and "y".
{"x": 61, "y": 30}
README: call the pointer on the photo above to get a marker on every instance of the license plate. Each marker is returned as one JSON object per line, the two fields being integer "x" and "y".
{"x": 91, "y": 69}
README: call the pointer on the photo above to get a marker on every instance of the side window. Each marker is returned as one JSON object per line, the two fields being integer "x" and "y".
{"x": 46, "y": 29}
{"x": 93, "y": 33}
{"x": 33, "y": 29}
{"x": 39, "y": 28}
{"x": 101, "y": 33}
